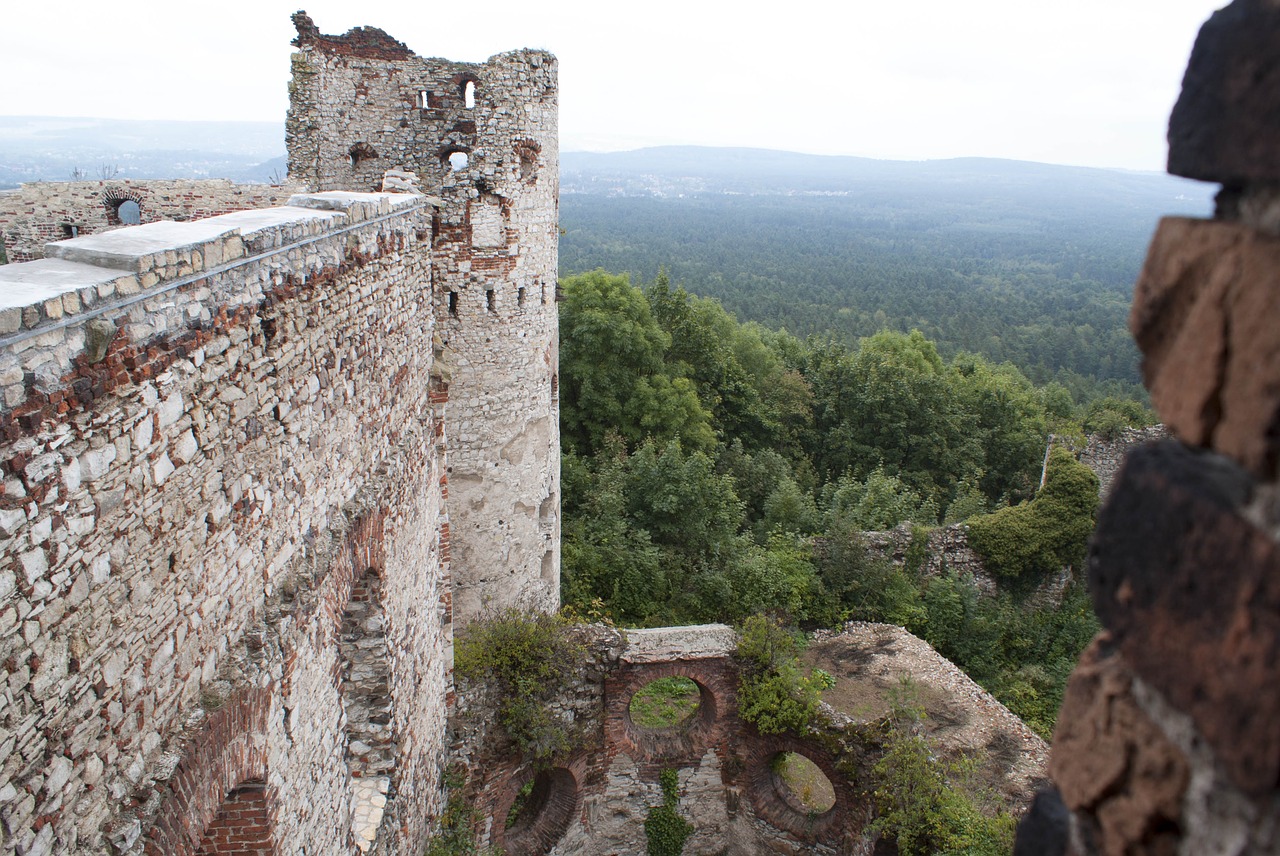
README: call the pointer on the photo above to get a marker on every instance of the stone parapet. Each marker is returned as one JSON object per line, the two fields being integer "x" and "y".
{"x": 39, "y": 212}
{"x": 212, "y": 434}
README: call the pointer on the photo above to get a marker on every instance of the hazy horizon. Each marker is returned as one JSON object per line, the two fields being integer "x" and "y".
{"x": 1086, "y": 85}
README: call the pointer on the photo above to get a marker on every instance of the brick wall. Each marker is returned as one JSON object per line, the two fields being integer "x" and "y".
{"x": 1167, "y": 740}
{"x": 243, "y": 825}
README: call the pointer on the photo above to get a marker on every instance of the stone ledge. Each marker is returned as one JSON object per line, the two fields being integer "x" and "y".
{"x": 663, "y": 644}
{"x": 80, "y": 273}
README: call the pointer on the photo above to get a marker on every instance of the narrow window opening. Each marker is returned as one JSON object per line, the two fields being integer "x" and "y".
{"x": 129, "y": 212}
{"x": 491, "y": 300}
{"x": 555, "y": 389}
{"x": 544, "y": 294}
{"x": 453, "y": 303}
{"x": 424, "y": 99}
{"x": 458, "y": 161}
{"x": 469, "y": 94}
{"x": 520, "y": 296}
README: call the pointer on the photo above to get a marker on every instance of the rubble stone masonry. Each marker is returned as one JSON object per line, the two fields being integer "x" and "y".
{"x": 482, "y": 137}
{"x": 44, "y": 211}
{"x": 211, "y": 432}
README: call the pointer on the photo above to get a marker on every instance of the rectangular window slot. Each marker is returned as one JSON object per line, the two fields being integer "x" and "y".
{"x": 520, "y": 296}
{"x": 492, "y": 300}
{"x": 453, "y": 303}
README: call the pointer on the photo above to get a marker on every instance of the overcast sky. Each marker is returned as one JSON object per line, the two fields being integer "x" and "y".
{"x": 1086, "y": 82}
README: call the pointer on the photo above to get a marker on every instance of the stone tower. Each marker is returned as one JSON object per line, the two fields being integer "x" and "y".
{"x": 482, "y": 139}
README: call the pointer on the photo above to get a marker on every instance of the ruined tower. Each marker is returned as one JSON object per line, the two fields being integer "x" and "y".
{"x": 482, "y": 139}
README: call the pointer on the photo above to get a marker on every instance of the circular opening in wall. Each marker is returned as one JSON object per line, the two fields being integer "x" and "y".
{"x": 540, "y": 813}
{"x": 458, "y": 161}
{"x": 666, "y": 703}
{"x": 802, "y": 784}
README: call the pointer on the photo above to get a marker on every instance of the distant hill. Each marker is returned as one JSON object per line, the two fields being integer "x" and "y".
{"x": 44, "y": 148}
{"x": 1027, "y": 262}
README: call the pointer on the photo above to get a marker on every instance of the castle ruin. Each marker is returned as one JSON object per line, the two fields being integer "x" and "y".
{"x": 237, "y": 525}
{"x": 258, "y": 460}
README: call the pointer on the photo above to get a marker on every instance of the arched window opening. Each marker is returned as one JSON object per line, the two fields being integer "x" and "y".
{"x": 361, "y": 152}
{"x": 121, "y": 210}
{"x": 540, "y": 813}
{"x": 469, "y": 94}
{"x": 458, "y": 161}
{"x": 242, "y": 826}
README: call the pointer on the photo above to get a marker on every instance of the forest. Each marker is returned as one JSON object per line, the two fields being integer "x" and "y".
{"x": 714, "y": 470}
{"x": 1028, "y": 263}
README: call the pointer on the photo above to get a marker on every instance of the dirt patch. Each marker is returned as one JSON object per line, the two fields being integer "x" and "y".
{"x": 869, "y": 663}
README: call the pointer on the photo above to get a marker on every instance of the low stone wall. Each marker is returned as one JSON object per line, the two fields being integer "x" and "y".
{"x": 44, "y": 211}
{"x": 210, "y": 432}
{"x": 596, "y": 800}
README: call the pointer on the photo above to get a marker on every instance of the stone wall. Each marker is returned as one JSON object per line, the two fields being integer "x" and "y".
{"x": 483, "y": 138}
{"x": 595, "y": 800}
{"x": 211, "y": 433}
{"x": 40, "y": 212}
{"x": 1105, "y": 456}
{"x": 1167, "y": 740}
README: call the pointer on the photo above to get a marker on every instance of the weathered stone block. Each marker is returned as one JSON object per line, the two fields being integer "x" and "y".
{"x": 1205, "y": 312}
{"x": 1111, "y": 761}
{"x": 1190, "y": 591}
{"x": 1226, "y": 124}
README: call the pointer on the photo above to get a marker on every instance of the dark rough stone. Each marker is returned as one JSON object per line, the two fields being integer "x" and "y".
{"x": 1112, "y": 764}
{"x": 1205, "y": 312}
{"x": 1190, "y": 591}
{"x": 1046, "y": 829}
{"x": 1226, "y": 124}
{"x": 362, "y": 42}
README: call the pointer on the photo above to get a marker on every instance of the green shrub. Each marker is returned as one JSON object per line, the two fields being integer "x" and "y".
{"x": 1046, "y": 534}
{"x": 664, "y": 829}
{"x": 774, "y": 693}
{"x": 920, "y": 799}
{"x": 455, "y": 834}
{"x": 665, "y": 702}
{"x": 530, "y": 658}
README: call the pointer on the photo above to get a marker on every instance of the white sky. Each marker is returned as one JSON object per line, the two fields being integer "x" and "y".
{"x": 1084, "y": 82}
